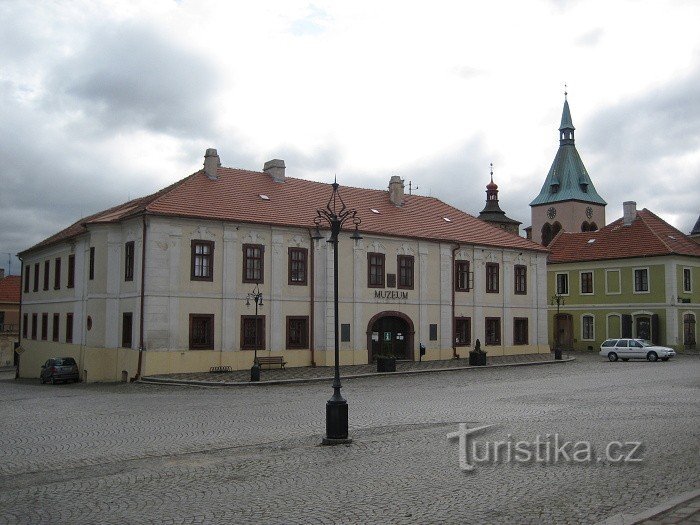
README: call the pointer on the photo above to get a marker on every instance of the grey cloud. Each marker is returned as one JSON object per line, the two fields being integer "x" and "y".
{"x": 313, "y": 23}
{"x": 131, "y": 76}
{"x": 590, "y": 38}
{"x": 635, "y": 147}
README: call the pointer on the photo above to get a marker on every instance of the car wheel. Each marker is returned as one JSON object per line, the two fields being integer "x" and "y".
{"x": 625, "y": 360}
{"x": 612, "y": 356}
{"x": 651, "y": 356}
{"x": 664, "y": 358}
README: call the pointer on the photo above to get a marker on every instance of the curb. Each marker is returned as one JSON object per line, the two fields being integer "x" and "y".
{"x": 631, "y": 519}
{"x": 200, "y": 382}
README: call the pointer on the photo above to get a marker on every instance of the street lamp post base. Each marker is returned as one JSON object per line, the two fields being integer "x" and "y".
{"x": 336, "y": 422}
{"x": 255, "y": 372}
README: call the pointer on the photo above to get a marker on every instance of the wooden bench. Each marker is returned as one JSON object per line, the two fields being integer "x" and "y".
{"x": 220, "y": 369}
{"x": 272, "y": 360}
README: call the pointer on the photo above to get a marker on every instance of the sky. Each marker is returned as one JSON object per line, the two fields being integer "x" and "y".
{"x": 103, "y": 101}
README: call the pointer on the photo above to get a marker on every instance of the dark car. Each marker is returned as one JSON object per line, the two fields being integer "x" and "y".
{"x": 59, "y": 369}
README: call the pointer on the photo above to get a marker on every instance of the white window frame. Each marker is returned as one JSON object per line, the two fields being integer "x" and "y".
{"x": 580, "y": 282}
{"x": 690, "y": 271}
{"x": 634, "y": 271}
{"x": 619, "y": 281}
{"x": 556, "y": 284}
{"x": 592, "y": 338}
{"x": 607, "y": 324}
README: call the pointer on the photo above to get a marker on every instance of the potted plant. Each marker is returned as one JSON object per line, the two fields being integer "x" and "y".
{"x": 386, "y": 363}
{"x": 477, "y": 357}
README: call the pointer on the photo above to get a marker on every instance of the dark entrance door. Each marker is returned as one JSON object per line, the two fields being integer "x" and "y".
{"x": 564, "y": 332}
{"x": 643, "y": 327}
{"x": 390, "y": 336}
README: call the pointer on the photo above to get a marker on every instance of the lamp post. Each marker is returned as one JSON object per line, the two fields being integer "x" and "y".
{"x": 559, "y": 301}
{"x": 256, "y": 296}
{"x": 336, "y": 214}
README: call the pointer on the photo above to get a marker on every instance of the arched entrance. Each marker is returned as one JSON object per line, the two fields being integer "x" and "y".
{"x": 563, "y": 331}
{"x": 390, "y": 333}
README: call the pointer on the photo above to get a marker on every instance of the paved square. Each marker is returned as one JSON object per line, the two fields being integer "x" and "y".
{"x": 132, "y": 453}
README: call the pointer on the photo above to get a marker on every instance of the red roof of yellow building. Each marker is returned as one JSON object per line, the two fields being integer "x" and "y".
{"x": 647, "y": 236}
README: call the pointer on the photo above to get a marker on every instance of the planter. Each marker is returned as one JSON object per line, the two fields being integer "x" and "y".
{"x": 386, "y": 364}
{"x": 477, "y": 358}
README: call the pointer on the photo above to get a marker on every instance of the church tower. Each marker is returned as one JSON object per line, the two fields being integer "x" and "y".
{"x": 568, "y": 200}
{"x": 492, "y": 212}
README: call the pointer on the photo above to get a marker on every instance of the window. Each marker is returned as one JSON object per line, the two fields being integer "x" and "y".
{"x": 493, "y": 330}
{"x": 687, "y": 282}
{"x": 69, "y": 328}
{"x": 201, "y": 331}
{"x": 36, "y": 277}
{"x": 127, "y": 329}
{"x": 71, "y": 271}
{"x": 463, "y": 331}
{"x": 26, "y": 279}
{"x": 375, "y": 270}
{"x": 252, "y": 332}
{"x": 491, "y": 277}
{"x": 587, "y": 283}
{"x": 587, "y": 328}
{"x": 612, "y": 282}
{"x": 92, "y": 263}
{"x": 55, "y": 326}
{"x": 129, "y": 261}
{"x": 44, "y": 327}
{"x": 546, "y": 234}
{"x": 433, "y": 332}
{"x": 641, "y": 280}
{"x": 297, "y": 332}
{"x": 202, "y": 258}
{"x": 345, "y": 333}
{"x": 461, "y": 276}
{"x": 47, "y": 270}
{"x": 520, "y": 331}
{"x": 562, "y": 284}
{"x": 520, "y": 275}
{"x": 405, "y": 266}
{"x": 297, "y": 266}
{"x": 57, "y": 274}
{"x": 253, "y": 263}
{"x": 25, "y": 322}
{"x": 34, "y": 325}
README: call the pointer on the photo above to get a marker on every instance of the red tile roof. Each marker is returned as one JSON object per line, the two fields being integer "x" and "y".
{"x": 10, "y": 289}
{"x": 647, "y": 236}
{"x": 236, "y": 196}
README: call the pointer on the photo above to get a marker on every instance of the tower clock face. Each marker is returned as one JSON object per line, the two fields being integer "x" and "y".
{"x": 551, "y": 213}
{"x": 589, "y": 212}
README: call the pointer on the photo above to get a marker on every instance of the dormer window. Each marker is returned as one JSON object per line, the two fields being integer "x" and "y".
{"x": 555, "y": 187}
{"x": 584, "y": 187}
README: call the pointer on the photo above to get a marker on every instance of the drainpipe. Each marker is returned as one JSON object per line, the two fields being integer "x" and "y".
{"x": 143, "y": 296}
{"x": 311, "y": 298}
{"x": 20, "y": 324}
{"x": 455, "y": 355}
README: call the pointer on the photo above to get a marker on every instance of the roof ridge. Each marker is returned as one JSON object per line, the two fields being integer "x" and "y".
{"x": 164, "y": 191}
{"x": 663, "y": 241}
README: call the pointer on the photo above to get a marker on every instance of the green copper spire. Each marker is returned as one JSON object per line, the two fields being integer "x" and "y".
{"x": 567, "y": 179}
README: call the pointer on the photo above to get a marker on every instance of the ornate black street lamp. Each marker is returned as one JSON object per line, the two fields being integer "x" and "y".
{"x": 559, "y": 301}
{"x": 336, "y": 214}
{"x": 256, "y": 296}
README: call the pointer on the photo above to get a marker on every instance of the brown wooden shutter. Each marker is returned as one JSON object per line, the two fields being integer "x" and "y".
{"x": 655, "y": 335}
{"x": 626, "y": 325}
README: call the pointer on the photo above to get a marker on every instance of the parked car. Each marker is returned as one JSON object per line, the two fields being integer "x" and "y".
{"x": 627, "y": 349}
{"x": 59, "y": 369}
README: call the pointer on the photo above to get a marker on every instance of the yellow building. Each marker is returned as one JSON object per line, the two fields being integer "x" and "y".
{"x": 424, "y": 272}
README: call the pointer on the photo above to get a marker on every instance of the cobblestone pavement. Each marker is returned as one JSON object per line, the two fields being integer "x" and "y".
{"x": 326, "y": 372}
{"x": 138, "y": 453}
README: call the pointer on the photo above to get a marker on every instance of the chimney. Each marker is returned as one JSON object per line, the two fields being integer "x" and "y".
{"x": 211, "y": 163}
{"x": 396, "y": 190}
{"x": 629, "y": 212}
{"x": 275, "y": 168}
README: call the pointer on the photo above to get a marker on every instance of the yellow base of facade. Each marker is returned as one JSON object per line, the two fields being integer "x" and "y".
{"x": 121, "y": 364}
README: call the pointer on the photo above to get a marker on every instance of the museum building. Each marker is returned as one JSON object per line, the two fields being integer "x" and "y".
{"x": 423, "y": 272}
